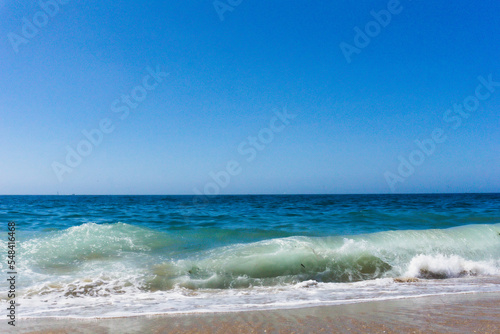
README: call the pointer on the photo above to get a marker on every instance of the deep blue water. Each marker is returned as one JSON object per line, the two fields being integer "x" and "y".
{"x": 312, "y": 215}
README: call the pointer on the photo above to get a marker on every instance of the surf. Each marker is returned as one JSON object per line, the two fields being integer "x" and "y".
{"x": 156, "y": 259}
{"x": 80, "y": 270}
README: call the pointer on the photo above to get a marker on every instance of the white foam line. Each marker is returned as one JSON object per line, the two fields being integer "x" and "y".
{"x": 305, "y": 304}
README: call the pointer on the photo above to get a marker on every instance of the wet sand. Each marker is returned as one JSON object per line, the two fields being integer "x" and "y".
{"x": 464, "y": 313}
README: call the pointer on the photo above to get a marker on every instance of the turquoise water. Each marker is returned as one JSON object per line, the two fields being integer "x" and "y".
{"x": 89, "y": 256}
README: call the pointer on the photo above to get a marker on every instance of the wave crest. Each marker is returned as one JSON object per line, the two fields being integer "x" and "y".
{"x": 443, "y": 266}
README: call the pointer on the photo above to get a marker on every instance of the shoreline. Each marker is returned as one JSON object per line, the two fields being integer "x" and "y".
{"x": 456, "y": 313}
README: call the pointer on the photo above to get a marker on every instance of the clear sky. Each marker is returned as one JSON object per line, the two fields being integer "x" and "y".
{"x": 275, "y": 97}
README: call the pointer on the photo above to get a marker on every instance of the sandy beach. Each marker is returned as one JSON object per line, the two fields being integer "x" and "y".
{"x": 462, "y": 313}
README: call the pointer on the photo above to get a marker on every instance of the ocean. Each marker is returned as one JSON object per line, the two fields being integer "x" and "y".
{"x": 114, "y": 256}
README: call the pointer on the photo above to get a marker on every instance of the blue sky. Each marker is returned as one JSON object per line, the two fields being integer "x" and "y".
{"x": 354, "y": 117}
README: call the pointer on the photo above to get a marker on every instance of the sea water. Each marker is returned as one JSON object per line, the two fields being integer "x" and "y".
{"x": 108, "y": 256}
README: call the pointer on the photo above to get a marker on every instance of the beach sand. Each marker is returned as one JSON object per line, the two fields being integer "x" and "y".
{"x": 461, "y": 313}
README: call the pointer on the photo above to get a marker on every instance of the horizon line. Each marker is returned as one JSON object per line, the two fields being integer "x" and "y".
{"x": 265, "y": 194}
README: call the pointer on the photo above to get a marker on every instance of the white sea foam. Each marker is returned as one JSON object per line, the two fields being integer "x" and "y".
{"x": 181, "y": 300}
{"x": 446, "y": 266}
